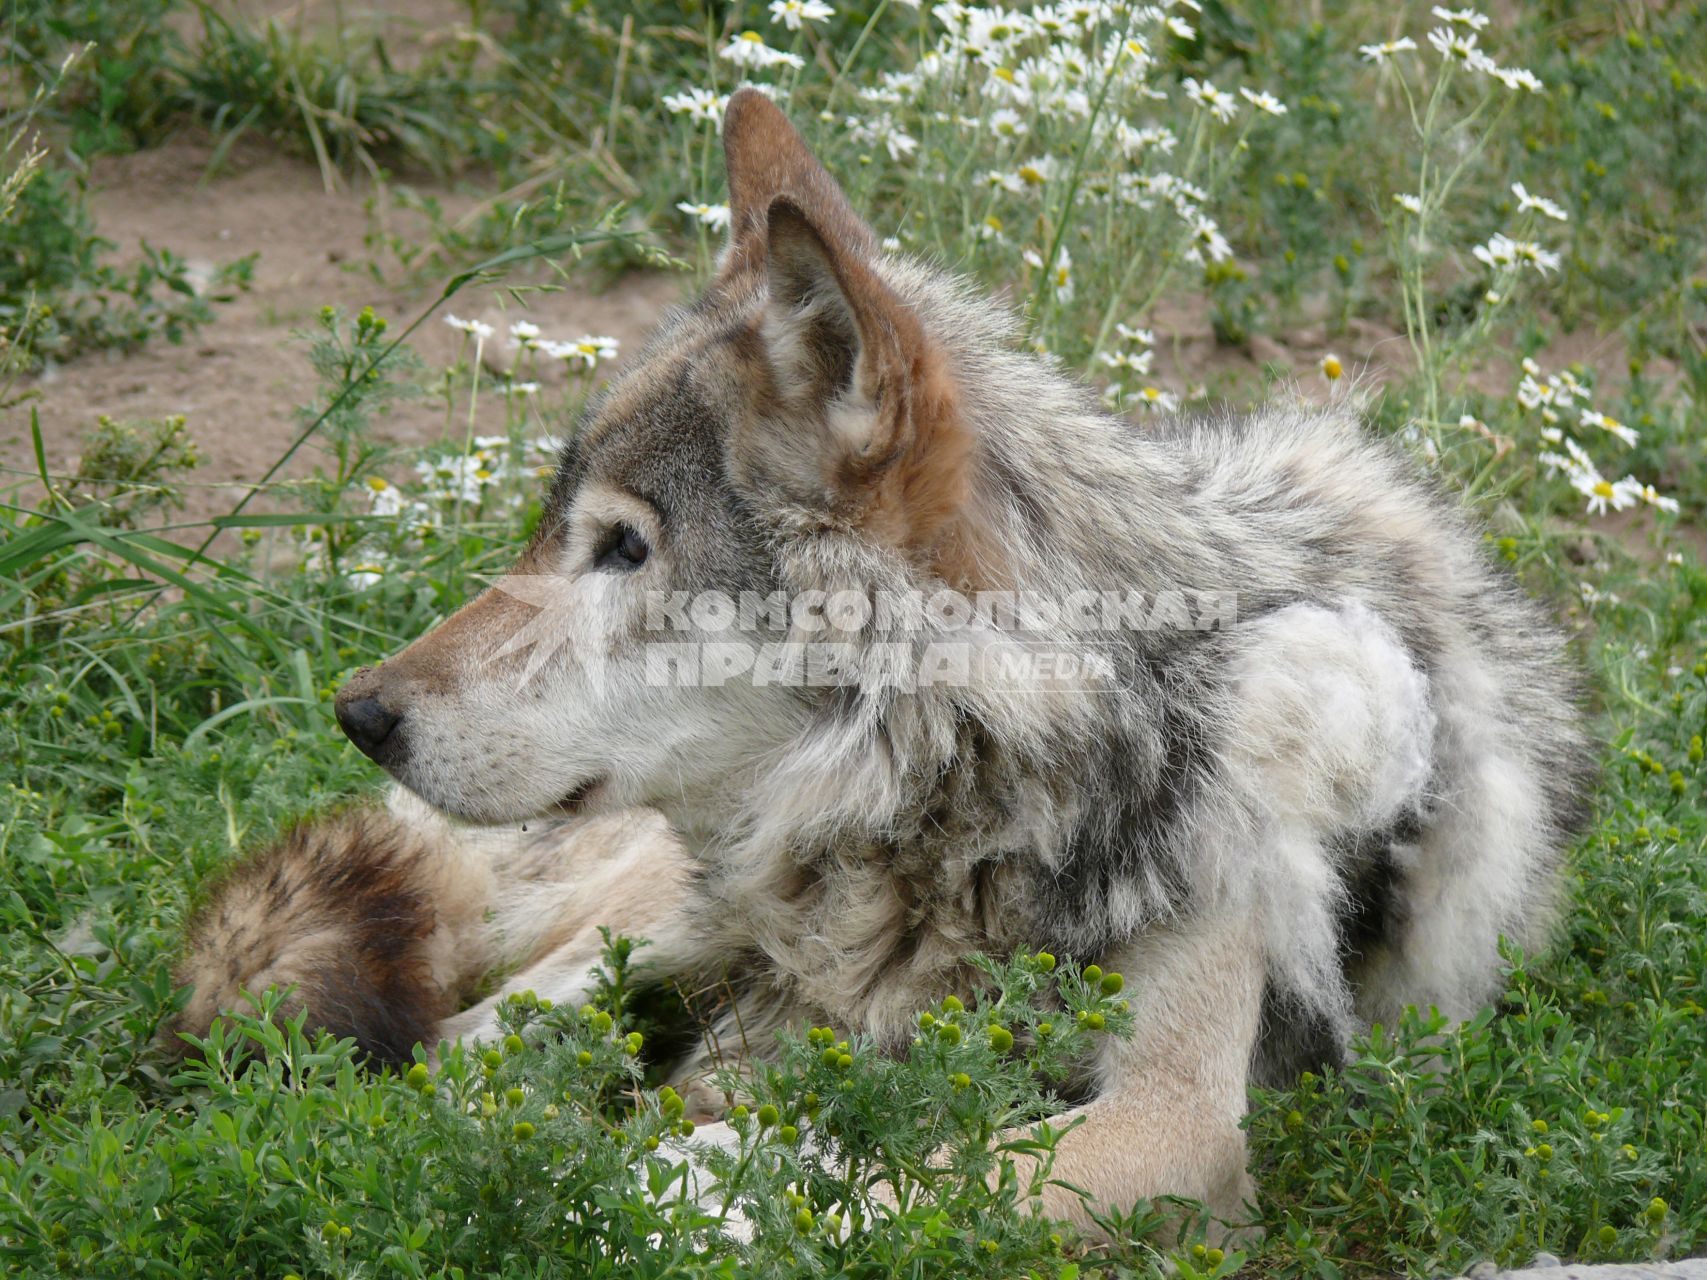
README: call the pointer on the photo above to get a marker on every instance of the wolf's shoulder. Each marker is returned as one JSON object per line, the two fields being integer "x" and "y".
{"x": 1297, "y": 454}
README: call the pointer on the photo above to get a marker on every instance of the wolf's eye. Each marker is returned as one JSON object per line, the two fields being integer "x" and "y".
{"x": 623, "y": 549}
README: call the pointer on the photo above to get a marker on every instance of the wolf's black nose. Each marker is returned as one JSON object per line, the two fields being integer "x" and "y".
{"x": 371, "y": 725}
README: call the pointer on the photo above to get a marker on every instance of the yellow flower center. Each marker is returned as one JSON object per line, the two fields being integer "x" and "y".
{"x": 1602, "y": 489}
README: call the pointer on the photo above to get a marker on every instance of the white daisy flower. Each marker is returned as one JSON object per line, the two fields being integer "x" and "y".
{"x": 1386, "y": 49}
{"x": 477, "y": 329}
{"x": 750, "y": 50}
{"x": 386, "y": 499}
{"x": 882, "y": 131}
{"x": 1207, "y": 240}
{"x": 715, "y": 216}
{"x": 1601, "y": 492}
{"x": 1038, "y": 170}
{"x": 1515, "y": 78}
{"x": 1155, "y": 400}
{"x": 364, "y": 575}
{"x": 1264, "y": 101}
{"x": 1153, "y": 137}
{"x": 1061, "y": 274}
{"x": 1143, "y": 337}
{"x": 791, "y": 13}
{"x": 586, "y": 350}
{"x": 1593, "y": 418}
{"x": 1137, "y": 362}
{"x": 700, "y": 105}
{"x": 1457, "y": 44}
{"x": 1649, "y": 495}
{"x": 1408, "y": 202}
{"x": 1541, "y": 204}
{"x": 1461, "y": 18}
{"x": 1222, "y": 105}
{"x": 1010, "y": 84}
{"x": 1503, "y": 251}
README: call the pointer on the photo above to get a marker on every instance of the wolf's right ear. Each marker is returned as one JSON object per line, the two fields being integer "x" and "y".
{"x": 858, "y": 415}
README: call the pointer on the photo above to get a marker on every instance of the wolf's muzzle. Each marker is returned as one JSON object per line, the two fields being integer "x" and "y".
{"x": 367, "y": 721}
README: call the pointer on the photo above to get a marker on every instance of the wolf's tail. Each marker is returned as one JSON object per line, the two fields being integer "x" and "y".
{"x": 371, "y": 918}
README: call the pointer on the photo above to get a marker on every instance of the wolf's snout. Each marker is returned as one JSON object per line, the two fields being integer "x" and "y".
{"x": 369, "y": 721}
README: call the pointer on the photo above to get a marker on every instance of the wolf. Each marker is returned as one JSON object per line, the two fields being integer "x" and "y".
{"x": 1331, "y": 801}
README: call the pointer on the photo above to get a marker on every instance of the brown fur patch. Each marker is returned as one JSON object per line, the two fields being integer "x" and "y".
{"x": 342, "y": 909}
{"x": 435, "y": 662}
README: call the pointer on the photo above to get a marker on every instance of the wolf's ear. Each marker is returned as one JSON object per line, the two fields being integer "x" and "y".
{"x": 857, "y": 413}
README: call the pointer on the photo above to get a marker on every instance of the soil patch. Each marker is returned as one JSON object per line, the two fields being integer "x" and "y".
{"x": 239, "y": 380}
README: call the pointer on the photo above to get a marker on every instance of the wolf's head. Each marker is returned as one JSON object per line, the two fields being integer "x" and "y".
{"x": 802, "y": 426}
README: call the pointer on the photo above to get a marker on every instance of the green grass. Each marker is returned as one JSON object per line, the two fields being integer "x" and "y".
{"x": 166, "y": 707}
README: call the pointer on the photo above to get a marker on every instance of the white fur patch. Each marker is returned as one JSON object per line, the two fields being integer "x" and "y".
{"x": 1333, "y": 735}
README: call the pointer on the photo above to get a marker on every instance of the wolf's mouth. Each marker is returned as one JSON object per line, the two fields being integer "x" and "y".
{"x": 573, "y": 802}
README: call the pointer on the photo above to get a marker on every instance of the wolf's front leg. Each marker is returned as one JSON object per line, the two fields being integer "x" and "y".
{"x": 1166, "y": 1119}
{"x": 627, "y": 875}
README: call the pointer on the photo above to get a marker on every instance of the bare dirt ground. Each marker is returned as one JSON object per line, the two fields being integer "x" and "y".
{"x": 238, "y": 380}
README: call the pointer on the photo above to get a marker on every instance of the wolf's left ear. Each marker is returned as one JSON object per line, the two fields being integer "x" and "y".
{"x": 858, "y": 412}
